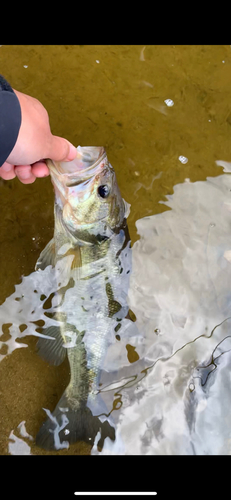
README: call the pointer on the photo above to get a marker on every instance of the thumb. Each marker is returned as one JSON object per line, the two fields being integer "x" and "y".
{"x": 61, "y": 149}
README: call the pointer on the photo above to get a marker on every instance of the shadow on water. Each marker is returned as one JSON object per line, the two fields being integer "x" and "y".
{"x": 177, "y": 366}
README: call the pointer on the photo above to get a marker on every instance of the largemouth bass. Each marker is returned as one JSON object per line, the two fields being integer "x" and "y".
{"x": 90, "y": 236}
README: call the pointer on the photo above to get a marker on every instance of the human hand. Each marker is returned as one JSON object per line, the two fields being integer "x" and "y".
{"x": 35, "y": 142}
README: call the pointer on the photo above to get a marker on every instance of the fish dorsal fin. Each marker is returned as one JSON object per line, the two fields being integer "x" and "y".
{"x": 47, "y": 256}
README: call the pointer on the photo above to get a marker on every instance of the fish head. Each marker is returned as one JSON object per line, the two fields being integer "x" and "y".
{"x": 88, "y": 195}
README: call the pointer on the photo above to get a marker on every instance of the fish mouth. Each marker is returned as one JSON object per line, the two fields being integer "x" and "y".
{"x": 84, "y": 164}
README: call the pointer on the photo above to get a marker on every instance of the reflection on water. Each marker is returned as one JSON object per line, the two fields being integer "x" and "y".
{"x": 180, "y": 293}
{"x": 174, "y": 397}
{"x": 17, "y": 445}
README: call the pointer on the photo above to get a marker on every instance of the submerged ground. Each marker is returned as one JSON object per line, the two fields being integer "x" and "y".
{"x": 163, "y": 113}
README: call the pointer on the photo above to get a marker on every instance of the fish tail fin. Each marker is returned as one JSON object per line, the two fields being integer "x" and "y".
{"x": 68, "y": 424}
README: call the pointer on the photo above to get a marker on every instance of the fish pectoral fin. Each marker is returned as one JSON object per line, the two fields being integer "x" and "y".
{"x": 76, "y": 253}
{"x": 68, "y": 424}
{"x": 51, "y": 350}
{"x": 47, "y": 256}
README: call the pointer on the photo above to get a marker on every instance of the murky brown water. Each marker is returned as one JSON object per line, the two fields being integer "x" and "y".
{"x": 111, "y": 96}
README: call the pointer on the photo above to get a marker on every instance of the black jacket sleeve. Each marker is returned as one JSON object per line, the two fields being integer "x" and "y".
{"x": 10, "y": 119}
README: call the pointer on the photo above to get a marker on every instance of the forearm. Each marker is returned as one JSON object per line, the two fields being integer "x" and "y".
{"x": 10, "y": 119}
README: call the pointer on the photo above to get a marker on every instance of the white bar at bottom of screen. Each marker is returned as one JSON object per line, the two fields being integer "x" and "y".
{"x": 98, "y": 493}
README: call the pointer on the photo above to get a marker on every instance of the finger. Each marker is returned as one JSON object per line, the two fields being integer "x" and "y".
{"x": 61, "y": 149}
{"x": 40, "y": 169}
{"x": 24, "y": 174}
{"x": 30, "y": 180}
{"x": 7, "y": 171}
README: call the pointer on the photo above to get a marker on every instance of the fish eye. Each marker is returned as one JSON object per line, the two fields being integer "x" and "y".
{"x": 104, "y": 191}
